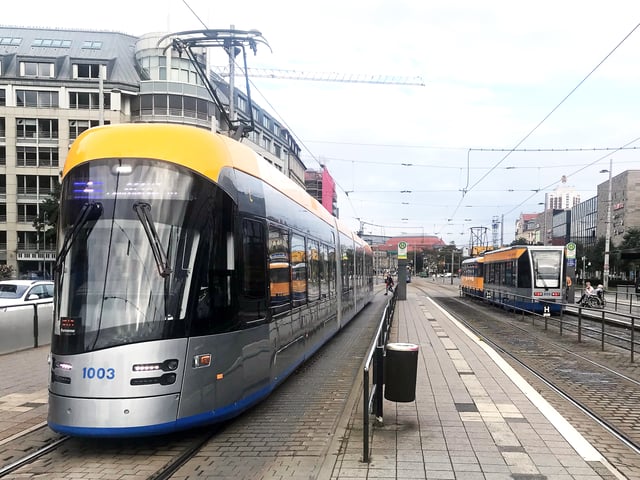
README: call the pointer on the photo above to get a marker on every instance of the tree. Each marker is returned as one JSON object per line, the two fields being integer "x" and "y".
{"x": 630, "y": 240}
{"x": 7, "y": 272}
{"x": 519, "y": 241}
{"x": 47, "y": 219}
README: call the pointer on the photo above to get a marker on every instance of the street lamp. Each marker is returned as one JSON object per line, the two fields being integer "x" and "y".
{"x": 607, "y": 238}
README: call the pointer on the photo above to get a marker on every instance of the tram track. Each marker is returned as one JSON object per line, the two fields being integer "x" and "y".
{"x": 292, "y": 430}
{"x": 598, "y": 392}
{"x": 147, "y": 458}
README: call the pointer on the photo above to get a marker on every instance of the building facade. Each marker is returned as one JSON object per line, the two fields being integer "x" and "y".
{"x": 625, "y": 206}
{"x": 55, "y": 84}
{"x": 321, "y": 186}
{"x": 563, "y": 197}
{"x": 583, "y": 223}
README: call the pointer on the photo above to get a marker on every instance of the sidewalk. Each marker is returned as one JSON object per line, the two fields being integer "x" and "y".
{"x": 473, "y": 418}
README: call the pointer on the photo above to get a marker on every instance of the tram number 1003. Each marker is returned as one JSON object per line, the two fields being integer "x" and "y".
{"x": 99, "y": 373}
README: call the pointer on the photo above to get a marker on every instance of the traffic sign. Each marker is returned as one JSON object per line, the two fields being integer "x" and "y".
{"x": 402, "y": 250}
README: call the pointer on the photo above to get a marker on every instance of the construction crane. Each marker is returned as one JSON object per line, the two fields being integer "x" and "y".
{"x": 274, "y": 73}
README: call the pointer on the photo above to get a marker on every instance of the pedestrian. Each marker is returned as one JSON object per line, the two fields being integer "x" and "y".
{"x": 389, "y": 284}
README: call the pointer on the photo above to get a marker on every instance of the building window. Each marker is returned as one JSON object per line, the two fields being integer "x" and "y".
{"x": 190, "y": 109}
{"x": 3, "y": 96}
{"x": 160, "y": 104}
{"x": 242, "y": 104}
{"x": 3, "y": 131}
{"x": 51, "y": 43}
{"x": 266, "y": 143}
{"x": 27, "y": 212}
{"x": 203, "y": 108}
{"x": 265, "y": 122}
{"x": 92, "y": 45}
{"x": 35, "y": 185}
{"x": 13, "y": 41}
{"x": 37, "y": 128}
{"x": 3, "y": 155}
{"x": 86, "y": 100}
{"x": 154, "y": 68}
{"x": 183, "y": 71}
{"x": 87, "y": 70}
{"x": 36, "y": 98}
{"x": 76, "y": 127}
{"x": 175, "y": 105}
{"x": 37, "y": 69}
{"x": 37, "y": 156}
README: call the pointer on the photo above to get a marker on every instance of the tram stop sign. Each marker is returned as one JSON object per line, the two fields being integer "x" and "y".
{"x": 402, "y": 250}
{"x": 571, "y": 254}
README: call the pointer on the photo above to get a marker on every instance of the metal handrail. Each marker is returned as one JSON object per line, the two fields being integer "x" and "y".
{"x": 372, "y": 397}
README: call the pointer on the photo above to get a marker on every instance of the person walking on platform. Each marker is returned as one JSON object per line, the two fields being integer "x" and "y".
{"x": 388, "y": 283}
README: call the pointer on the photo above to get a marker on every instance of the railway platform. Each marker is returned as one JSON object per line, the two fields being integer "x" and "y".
{"x": 474, "y": 417}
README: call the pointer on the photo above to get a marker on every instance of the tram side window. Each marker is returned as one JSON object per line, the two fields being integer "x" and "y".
{"x": 323, "y": 270}
{"x": 254, "y": 274}
{"x": 332, "y": 271}
{"x": 523, "y": 271}
{"x": 279, "y": 269}
{"x": 347, "y": 266}
{"x": 508, "y": 274}
{"x": 298, "y": 270}
{"x": 488, "y": 273}
{"x": 217, "y": 307}
{"x": 314, "y": 265}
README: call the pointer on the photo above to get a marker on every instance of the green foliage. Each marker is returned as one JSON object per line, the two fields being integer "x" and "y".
{"x": 519, "y": 241}
{"x": 631, "y": 240}
{"x": 47, "y": 219}
{"x": 7, "y": 272}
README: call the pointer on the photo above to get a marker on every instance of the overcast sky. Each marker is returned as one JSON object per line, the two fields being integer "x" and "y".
{"x": 554, "y": 81}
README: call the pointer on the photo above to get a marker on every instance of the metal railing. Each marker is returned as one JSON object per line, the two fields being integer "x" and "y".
{"x": 372, "y": 395}
{"x": 25, "y": 326}
{"x": 622, "y": 325}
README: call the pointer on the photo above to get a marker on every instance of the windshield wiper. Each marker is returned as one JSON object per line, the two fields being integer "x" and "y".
{"x": 90, "y": 211}
{"x": 143, "y": 210}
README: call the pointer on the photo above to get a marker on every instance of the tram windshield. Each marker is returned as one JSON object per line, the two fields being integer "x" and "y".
{"x": 547, "y": 268}
{"x": 130, "y": 232}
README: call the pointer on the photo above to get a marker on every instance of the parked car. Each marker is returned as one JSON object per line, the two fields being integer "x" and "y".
{"x": 25, "y": 292}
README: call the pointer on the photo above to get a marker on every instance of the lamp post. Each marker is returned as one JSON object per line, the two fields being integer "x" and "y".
{"x": 607, "y": 238}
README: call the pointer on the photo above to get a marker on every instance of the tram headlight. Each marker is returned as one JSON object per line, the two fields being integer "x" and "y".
{"x": 166, "y": 366}
{"x": 62, "y": 365}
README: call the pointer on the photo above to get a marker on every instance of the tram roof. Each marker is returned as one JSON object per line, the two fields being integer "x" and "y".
{"x": 198, "y": 149}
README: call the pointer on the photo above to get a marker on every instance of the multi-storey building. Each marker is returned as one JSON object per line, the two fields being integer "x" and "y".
{"x": 563, "y": 197}
{"x": 54, "y": 84}
{"x": 583, "y": 223}
{"x": 321, "y": 186}
{"x": 625, "y": 205}
{"x": 527, "y": 227}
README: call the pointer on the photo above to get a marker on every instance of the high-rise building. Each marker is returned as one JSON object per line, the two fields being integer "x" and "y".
{"x": 563, "y": 197}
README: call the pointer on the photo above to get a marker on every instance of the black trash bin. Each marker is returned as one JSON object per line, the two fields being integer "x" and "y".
{"x": 400, "y": 371}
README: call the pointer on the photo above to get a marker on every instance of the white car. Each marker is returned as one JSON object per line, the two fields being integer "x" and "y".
{"x": 25, "y": 292}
